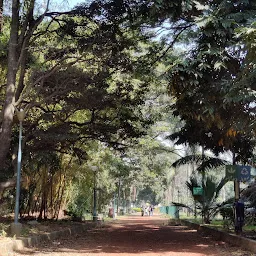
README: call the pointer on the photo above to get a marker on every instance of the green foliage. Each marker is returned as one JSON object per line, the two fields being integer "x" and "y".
{"x": 78, "y": 207}
{"x": 7, "y": 205}
{"x": 227, "y": 212}
{"x": 207, "y": 176}
{"x": 147, "y": 196}
{"x": 94, "y": 74}
{"x": 80, "y": 196}
{"x": 207, "y": 86}
{"x": 136, "y": 209}
{"x": 203, "y": 162}
{"x": 4, "y": 44}
{"x": 207, "y": 202}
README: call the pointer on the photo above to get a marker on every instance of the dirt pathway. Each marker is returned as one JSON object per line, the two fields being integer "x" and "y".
{"x": 143, "y": 236}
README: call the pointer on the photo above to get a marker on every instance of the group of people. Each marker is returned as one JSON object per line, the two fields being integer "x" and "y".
{"x": 147, "y": 210}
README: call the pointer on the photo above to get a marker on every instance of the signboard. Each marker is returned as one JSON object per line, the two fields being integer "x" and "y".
{"x": 244, "y": 173}
{"x": 231, "y": 172}
{"x": 197, "y": 191}
{"x": 239, "y": 172}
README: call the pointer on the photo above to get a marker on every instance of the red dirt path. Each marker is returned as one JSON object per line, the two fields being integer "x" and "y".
{"x": 146, "y": 236}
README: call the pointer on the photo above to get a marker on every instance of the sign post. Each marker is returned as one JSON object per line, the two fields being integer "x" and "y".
{"x": 238, "y": 173}
{"x": 197, "y": 191}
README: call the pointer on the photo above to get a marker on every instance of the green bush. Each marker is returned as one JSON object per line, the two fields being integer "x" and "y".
{"x": 228, "y": 216}
{"x": 227, "y": 213}
{"x": 136, "y": 209}
{"x": 78, "y": 208}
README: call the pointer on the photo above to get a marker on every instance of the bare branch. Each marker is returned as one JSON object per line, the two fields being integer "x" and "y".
{"x": 172, "y": 44}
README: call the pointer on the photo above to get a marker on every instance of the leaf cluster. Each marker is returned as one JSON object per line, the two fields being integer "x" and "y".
{"x": 207, "y": 86}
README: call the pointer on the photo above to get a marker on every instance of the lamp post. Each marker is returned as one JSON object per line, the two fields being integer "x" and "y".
{"x": 118, "y": 196}
{"x": 16, "y": 226}
{"x": 114, "y": 206}
{"x": 95, "y": 216}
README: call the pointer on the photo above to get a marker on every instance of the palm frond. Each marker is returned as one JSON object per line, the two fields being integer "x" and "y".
{"x": 210, "y": 163}
{"x": 182, "y": 205}
{"x": 193, "y": 182}
{"x": 220, "y": 186}
{"x": 204, "y": 162}
{"x": 209, "y": 187}
{"x": 191, "y": 159}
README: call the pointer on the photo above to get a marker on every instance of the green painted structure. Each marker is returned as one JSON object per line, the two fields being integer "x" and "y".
{"x": 171, "y": 210}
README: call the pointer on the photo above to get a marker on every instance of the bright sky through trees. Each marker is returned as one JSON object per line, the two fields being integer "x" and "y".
{"x": 69, "y": 3}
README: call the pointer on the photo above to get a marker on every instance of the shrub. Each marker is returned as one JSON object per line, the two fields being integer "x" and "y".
{"x": 136, "y": 209}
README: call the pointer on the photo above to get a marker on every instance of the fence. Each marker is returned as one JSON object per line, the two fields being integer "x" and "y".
{"x": 171, "y": 210}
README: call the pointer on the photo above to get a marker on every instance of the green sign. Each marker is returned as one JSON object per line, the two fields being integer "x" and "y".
{"x": 231, "y": 172}
{"x": 197, "y": 191}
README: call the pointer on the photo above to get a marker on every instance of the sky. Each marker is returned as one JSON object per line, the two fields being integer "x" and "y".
{"x": 72, "y": 3}
{"x": 69, "y": 3}
{"x": 55, "y": 5}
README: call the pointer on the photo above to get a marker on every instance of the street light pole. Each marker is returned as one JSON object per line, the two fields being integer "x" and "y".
{"x": 16, "y": 226}
{"x": 17, "y": 199}
{"x": 95, "y": 216}
{"x": 94, "y": 199}
{"x": 118, "y": 196}
{"x": 114, "y": 206}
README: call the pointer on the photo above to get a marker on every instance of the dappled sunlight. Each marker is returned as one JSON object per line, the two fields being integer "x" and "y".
{"x": 202, "y": 245}
{"x": 146, "y": 236}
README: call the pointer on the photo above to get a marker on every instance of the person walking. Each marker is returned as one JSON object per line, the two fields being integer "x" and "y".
{"x": 142, "y": 211}
{"x": 151, "y": 209}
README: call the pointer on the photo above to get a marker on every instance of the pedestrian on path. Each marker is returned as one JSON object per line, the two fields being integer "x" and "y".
{"x": 151, "y": 209}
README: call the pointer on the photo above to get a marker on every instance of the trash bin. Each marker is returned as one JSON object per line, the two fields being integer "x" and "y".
{"x": 111, "y": 213}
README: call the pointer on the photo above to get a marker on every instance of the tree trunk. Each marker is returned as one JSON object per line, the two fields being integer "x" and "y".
{"x": 1, "y": 15}
{"x": 8, "y": 109}
{"x": 60, "y": 202}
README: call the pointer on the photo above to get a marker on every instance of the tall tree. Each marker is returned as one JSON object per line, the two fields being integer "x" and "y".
{"x": 21, "y": 30}
{"x": 1, "y": 14}
{"x": 204, "y": 83}
{"x": 101, "y": 87}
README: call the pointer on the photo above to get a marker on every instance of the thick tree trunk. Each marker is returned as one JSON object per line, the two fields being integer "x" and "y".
{"x": 1, "y": 15}
{"x": 8, "y": 109}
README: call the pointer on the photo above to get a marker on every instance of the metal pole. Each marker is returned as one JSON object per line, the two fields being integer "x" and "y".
{"x": 118, "y": 196}
{"x": 94, "y": 199}
{"x": 237, "y": 190}
{"x": 114, "y": 206}
{"x": 236, "y": 182}
{"x": 17, "y": 199}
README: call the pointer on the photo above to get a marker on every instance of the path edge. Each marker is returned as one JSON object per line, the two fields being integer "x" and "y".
{"x": 232, "y": 239}
{"x": 23, "y": 242}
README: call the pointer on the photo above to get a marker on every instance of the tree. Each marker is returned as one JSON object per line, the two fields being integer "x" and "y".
{"x": 21, "y": 30}
{"x": 1, "y": 14}
{"x": 78, "y": 85}
{"x": 99, "y": 88}
{"x": 207, "y": 202}
{"x": 202, "y": 177}
{"x": 204, "y": 83}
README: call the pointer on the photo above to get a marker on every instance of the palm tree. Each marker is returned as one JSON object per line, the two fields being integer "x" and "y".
{"x": 206, "y": 202}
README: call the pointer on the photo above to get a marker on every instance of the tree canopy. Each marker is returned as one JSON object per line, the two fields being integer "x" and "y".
{"x": 119, "y": 77}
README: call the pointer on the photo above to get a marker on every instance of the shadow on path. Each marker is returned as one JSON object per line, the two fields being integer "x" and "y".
{"x": 133, "y": 235}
